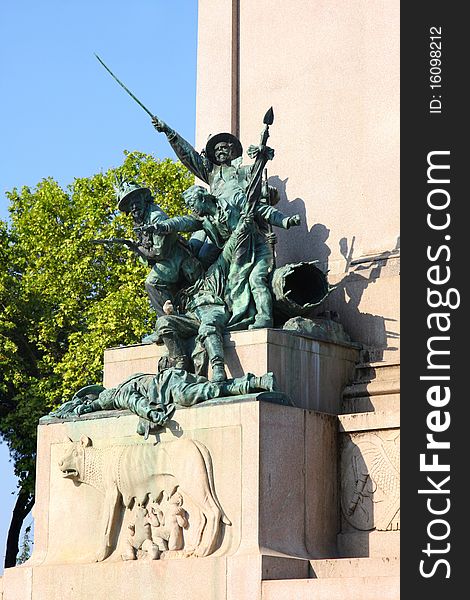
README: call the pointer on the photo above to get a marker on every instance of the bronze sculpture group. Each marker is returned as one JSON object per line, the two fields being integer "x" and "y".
{"x": 200, "y": 288}
{"x": 219, "y": 280}
{"x": 228, "y": 288}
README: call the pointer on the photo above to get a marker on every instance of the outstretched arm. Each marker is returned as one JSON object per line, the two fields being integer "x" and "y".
{"x": 190, "y": 158}
{"x": 178, "y": 224}
{"x": 275, "y": 217}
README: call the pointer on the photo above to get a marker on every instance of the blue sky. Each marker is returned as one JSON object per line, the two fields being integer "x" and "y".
{"x": 63, "y": 116}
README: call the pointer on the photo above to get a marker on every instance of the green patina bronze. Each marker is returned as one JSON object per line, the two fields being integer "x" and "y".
{"x": 154, "y": 398}
{"x": 223, "y": 279}
{"x": 247, "y": 292}
{"x": 220, "y": 164}
{"x": 234, "y": 219}
{"x": 173, "y": 264}
{"x": 298, "y": 289}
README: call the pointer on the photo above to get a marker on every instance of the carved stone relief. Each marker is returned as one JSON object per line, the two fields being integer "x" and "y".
{"x": 157, "y": 530}
{"x": 165, "y": 489}
{"x": 370, "y": 480}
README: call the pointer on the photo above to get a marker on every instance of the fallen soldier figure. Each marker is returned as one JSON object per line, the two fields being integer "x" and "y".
{"x": 154, "y": 398}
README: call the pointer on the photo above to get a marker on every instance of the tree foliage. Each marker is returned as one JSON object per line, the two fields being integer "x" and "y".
{"x": 26, "y": 546}
{"x": 64, "y": 300}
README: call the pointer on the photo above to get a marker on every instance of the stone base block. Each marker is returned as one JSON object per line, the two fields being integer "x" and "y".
{"x": 388, "y": 566}
{"x": 376, "y": 387}
{"x": 376, "y": 544}
{"x": 218, "y": 578}
{"x": 370, "y": 484}
{"x": 247, "y": 521}
{"x": 313, "y": 372}
{"x": 345, "y": 588}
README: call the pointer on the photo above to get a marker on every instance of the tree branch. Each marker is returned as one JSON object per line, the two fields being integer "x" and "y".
{"x": 24, "y": 503}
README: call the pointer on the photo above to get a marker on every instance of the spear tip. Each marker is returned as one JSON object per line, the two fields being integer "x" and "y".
{"x": 269, "y": 117}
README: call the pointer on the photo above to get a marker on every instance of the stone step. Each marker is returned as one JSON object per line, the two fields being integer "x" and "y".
{"x": 355, "y": 567}
{"x": 335, "y": 588}
{"x": 371, "y": 380}
{"x": 394, "y": 361}
{"x": 381, "y": 387}
{"x": 375, "y": 388}
{"x": 369, "y": 421}
{"x": 361, "y": 404}
{"x": 377, "y": 370}
{"x": 368, "y": 544}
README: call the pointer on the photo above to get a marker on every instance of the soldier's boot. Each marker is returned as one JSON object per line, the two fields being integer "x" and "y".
{"x": 266, "y": 382}
{"x": 177, "y": 356}
{"x": 215, "y": 351}
{"x": 249, "y": 384}
{"x": 235, "y": 387}
{"x": 264, "y": 309}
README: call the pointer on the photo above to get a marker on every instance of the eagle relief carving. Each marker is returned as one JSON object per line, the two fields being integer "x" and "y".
{"x": 164, "y": 489}
{"x": 370, "y": 480}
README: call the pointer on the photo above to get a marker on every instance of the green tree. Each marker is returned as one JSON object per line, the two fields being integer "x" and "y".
{"x": 64, "y": 300}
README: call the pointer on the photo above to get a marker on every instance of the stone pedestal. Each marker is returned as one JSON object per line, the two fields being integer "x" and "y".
{"x": 313, "y": 372}
{"x": 369, "y": 436}
{"x": 279, "y": 517}
{"x": 270, "y": 492}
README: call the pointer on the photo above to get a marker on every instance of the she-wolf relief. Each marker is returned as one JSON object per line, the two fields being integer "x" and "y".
{"x": 165, "y": 490}
{"x": 370, "y": 480}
